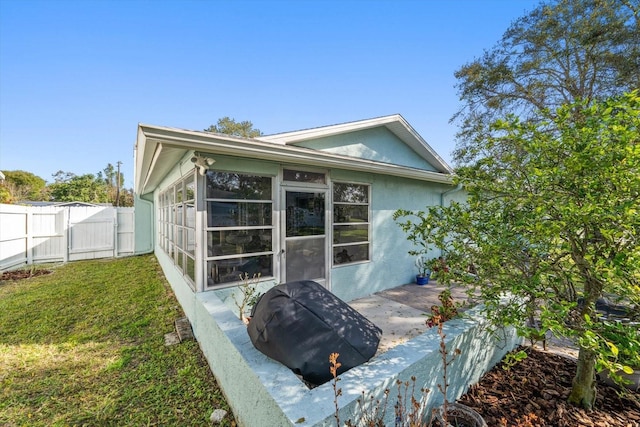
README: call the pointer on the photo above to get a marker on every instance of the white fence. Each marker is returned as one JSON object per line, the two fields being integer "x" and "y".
{"x": 31, "y": 235}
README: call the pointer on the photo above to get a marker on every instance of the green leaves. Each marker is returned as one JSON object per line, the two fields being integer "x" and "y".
{"x": 614, "y": 349}
{"x": 84, "y": 188}
{"x": 556, "y": 54}
{"x": 551, "y": 215}
{"x": 627, "y": 370}
{"x": 230, "y": 126}
{"x": 20, "y": 185}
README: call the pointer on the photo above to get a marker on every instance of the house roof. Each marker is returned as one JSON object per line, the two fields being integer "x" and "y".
{"x": 159, "y": 148}
{"x": 395, "y": 123}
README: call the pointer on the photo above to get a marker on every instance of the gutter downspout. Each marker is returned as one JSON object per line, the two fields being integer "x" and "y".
{"x": 449, "y": 192}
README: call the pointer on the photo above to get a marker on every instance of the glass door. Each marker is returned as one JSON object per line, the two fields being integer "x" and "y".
{"x": 305, "y": 240}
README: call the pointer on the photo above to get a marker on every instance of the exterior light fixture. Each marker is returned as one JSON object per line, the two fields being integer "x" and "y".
{"x": 202, "y": 162}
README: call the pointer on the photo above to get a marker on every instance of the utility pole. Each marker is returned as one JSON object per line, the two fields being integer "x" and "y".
{"x": 118, "y": 184}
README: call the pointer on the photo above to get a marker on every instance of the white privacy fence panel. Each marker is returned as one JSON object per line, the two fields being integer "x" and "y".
{"x": 48, "y": 234}
{"x": 13, "y": 235}
{"x": 91, "y": 233}
{"x": 45, "y": 234}
{"x": 125, "y": 236}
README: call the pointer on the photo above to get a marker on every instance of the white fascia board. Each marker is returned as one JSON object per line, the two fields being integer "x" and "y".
{"x": 254, "y": 149}
{"x": 323, "y": 131}
{"x": 144, "y": 155}
{"x": 421, "y": 146}
{"x": 394, "y": 123}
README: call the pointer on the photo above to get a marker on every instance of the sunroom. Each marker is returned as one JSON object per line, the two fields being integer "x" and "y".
{"x": 313, "y": 204}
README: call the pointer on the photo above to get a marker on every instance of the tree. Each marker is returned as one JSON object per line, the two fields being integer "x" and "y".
{"x": 84, "y": 188}
{"x": 126, "y": 197}
{"x": 559, "y": 53}
{"x": 99, "y": 188}
{"x": 229, "y": 126}
{"x": 549, "y": 232}
{"x": 22, "y": 185}
{"x": 113, "y": 179}
{"x": 5, "y": 194}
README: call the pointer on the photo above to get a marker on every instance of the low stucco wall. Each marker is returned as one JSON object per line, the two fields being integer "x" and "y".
{"x": 263, "y": 392}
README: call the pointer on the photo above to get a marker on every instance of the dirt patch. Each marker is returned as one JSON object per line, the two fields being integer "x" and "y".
{"x": 534, "y": 392}
{"x": 23, "y": 274}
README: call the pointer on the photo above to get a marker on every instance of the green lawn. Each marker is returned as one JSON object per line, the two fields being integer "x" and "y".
{"x": 85, "y": 346}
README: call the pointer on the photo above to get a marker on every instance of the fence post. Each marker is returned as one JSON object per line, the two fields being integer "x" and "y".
{"x": 29, "y": 230}
{"x": 66, "y": 230}
{"x": 115, "y": 231}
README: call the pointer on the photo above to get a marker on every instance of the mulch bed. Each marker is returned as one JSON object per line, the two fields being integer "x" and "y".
{"x": 22, "y": 274}
{"x": 534, "y": 392}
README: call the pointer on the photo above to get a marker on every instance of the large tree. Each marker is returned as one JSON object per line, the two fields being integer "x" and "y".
{"x": 556, "y": 205}
{"x": 69, "y": 187}
{"x": 560, "y": 52}
{"x": 230, "y": 126}
{"x": 5, "y": 194}
{"x": 22, "y": 185}
{"x": 552, "y": 225}
{"x": 104, "y": 187}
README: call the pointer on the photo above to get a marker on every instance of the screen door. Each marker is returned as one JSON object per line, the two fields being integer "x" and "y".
{"x": 304, "y": 248}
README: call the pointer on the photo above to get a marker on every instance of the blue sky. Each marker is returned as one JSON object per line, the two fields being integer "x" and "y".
{"x": 76, "y": 77}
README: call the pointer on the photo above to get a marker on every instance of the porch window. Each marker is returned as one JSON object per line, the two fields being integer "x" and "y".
{"x": 239, "y": 226}
{"x": 177, "y": 228}
{"x": 351, "y": 226}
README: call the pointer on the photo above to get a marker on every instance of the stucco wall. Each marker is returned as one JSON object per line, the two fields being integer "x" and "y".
{"x": 390, "y": 263}
{"x": 264, "y": 392}
{"x": 377, "y": 144}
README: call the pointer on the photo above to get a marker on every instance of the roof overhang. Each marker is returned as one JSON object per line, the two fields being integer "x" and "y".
{"x": 158, "y": 149}
{"x": 395, "y": 123}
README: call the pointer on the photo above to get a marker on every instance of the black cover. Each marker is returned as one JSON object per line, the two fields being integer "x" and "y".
{"x": 300, "y": 324}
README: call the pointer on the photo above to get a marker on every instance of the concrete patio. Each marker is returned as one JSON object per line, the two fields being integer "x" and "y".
{"x": 401, "y": 312}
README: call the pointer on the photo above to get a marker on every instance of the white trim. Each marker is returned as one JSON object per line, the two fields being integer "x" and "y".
{"x": 370, "y": 233}
{"x": 326, "y": 189}
{"x": 395, "y": 123}
{"x": 162, "y": 141}
{"x": 323, "y": 131}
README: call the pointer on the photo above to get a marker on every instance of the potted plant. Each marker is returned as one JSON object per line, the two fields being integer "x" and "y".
{"x": 424, "y": 271}
{"x": 420, "y": 234}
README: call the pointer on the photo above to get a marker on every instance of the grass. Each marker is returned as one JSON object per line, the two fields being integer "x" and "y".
{"x": 85, "y": 346}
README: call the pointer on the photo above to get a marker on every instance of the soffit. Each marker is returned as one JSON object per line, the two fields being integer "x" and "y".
{"x": 159, "y": 149}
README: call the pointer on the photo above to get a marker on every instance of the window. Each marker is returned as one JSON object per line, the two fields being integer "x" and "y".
{"x": 304, "y": 176}
{"x": 350, "y": 223}
{"x": 239, "y": 226}
{"x": 178, "y": 225}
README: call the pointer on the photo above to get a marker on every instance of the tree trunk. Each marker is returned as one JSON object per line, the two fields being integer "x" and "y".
{"x": 583, "y": 392}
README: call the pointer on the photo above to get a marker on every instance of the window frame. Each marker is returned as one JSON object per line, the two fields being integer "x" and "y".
{"x": 335, "y": 204}
{"x": 171, "y": 209}
{"x": 230, "y": 258}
